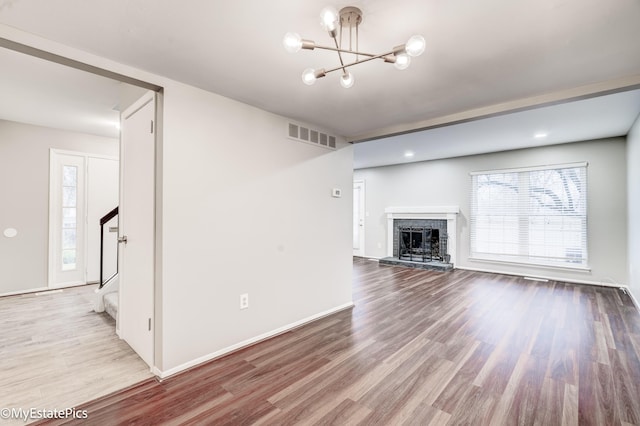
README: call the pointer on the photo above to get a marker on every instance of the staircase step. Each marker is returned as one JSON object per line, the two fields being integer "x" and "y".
{"x": 111, "y": 304}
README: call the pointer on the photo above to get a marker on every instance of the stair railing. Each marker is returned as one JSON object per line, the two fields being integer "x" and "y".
{"x": 103, "y": 220}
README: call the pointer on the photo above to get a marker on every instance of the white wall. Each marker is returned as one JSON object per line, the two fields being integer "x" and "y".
{"x": 24, "y": 191}
{"x": 447, "y": 182}
{"x": 633, "y": 172}
{"x": 242, "y": 209}
{"x": 246, "y": 210}
{"x": 103, "y": 194}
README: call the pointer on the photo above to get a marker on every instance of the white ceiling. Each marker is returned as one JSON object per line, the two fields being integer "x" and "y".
{"x": 43, "y": 93}
{"x": 600, "y": 117}
{"x": 478, "y": 54}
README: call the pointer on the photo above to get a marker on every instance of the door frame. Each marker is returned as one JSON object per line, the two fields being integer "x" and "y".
{"x": 53, "y": 225}
{"x": 363, "y": 215}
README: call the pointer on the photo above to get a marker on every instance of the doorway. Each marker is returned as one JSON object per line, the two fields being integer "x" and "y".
{"x": 82, "y": 188}
{"x": 358, "y": 218}
{"x": 72, "y": 258}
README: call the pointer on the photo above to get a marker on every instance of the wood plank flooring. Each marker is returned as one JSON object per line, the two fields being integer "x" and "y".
{"x": 419, "y": 348}
{"x": 55, "y": 352}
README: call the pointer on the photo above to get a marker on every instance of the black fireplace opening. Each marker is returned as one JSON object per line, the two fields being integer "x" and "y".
{"x": 419, "y": 244}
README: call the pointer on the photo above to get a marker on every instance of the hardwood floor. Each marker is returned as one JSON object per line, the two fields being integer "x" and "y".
{"x": 420, "y": 347}
{"x": 55, "y": 352}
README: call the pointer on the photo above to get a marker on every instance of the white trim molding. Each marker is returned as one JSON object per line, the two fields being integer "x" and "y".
{"x": 448, "y": 213}
{"x": 225, "y": 351}
{"x": 27, "y": 291}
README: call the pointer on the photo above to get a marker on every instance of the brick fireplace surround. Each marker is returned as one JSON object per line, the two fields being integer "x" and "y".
{"x": 448, "y": 213}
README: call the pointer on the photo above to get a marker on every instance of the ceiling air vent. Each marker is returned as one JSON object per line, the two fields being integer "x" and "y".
{"x": 311, "y": 136}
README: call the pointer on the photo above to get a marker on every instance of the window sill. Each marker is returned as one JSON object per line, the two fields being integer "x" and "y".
{"x": 568, "y": 267}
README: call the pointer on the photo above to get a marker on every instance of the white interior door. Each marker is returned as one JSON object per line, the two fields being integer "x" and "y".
{"x": 67, "y": 220}
{"x": 358, "y": 218}
{"x": 136, "y": 226}
{"x": 102, "y": 197}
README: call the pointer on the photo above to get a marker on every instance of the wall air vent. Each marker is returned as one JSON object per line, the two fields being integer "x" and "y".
{"x": 311, "y": 136}
{"x": 293, "y": 131}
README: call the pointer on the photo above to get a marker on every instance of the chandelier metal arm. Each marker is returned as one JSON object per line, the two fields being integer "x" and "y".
{"x": 339, "y": 55}
{"x": 383, "y": 56}
{"x": 353, "y": 52}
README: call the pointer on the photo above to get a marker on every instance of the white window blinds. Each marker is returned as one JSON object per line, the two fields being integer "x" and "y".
{"x": 535, "y": 215}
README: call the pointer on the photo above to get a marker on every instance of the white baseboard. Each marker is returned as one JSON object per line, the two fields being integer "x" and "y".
{"x": 633, "y": 298}
{"x": 368, "y": 257}
{"x": 157, "y": 372}
{"x": 31, "y": 290}
{"x": 68, "y": 284}
{"x": 544, "y": 277}
{"x": 225, "y": 351}
{"x": 41, "y": 289}
{"x": 529, "y": 275}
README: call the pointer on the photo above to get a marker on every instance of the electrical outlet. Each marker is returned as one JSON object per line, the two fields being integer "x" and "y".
{"x": 244, "y": 301}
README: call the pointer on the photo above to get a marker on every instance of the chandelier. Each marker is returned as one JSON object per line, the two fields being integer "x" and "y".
{"x": 344, "y": 24}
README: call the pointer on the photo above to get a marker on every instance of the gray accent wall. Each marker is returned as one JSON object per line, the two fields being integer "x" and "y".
{"x": 633, "y": 171}
{"x": 24, "y": 191}
{"x": 447, "y": 182}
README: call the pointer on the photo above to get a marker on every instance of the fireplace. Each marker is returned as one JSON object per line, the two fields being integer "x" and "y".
{"x": 422, "y": 237}
{"x": 420, "y": 240}
{"x": 419, "y": 244}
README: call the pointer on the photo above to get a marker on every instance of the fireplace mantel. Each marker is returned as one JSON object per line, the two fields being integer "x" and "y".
{"x": 448, "y": 213}
{"x": 438, "y": 210}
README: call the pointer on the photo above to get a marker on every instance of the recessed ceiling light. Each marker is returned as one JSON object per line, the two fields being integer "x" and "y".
{"x": 408, "y": 154}
{"x": 540, "y": 135}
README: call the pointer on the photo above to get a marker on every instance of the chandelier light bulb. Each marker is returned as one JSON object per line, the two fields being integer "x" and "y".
{"x": 329, "y": 18}
{"x": 309, "y": 76}
{"x": 292, "y": 42}
{"x": 402, "y": 61}
{"x": 415, "y": 46}
{"x": 347, "y": 79}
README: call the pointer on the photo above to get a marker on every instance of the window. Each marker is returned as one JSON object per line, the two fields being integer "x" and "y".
{"x": 69, "y": 217}
{"x": 536, "y": 215}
